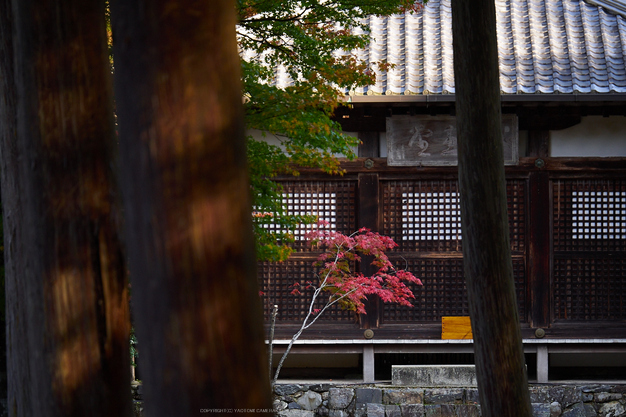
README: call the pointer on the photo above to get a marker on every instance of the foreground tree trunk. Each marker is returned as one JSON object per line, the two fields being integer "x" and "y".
{"x": 502, "y": 382}
{"x": 186, "y": 197}
{"x": 67, "y": 295}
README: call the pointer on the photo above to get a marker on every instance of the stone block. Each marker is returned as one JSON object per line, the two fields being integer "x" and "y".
{"x": 434, "y": 375}
{"x": 403, "y": 396}
{"x": 368, "y": 395}
{"x": 590, "y": 410}
{"x": 412, "y": 410}
{"x": 374, "y": 410}
{"x": 472, "y": 396}
{"x": 322, "y": 412}
{"x": 280, "y": 405}
{"x": 444, "y": 396}
{"x": 296, "y": 413}
{"x": 595, "y": 388}
{"x": 555, "y": 409}
{"x": 577, "y": 410}
{"x": 310, "y": 400}
{"x": 612, "y": 409}
{"x": 571, "y": 395}
{"x": 565, "y": 395}
{"x": 447, "y": 410}
{"x": 540, "y": 395}
{"x": 541, "y": 410}
{"x": 319, "y": 387}
{"x": 340, "y": 398}
{"x": 432, "y": 410}
{"x": 467, "y": 410}
{"x": 286, "y": 389}
{"x": 337, "y": 413}
{"x": 452, "y": 410}
{"x": 621, "y": 388}
{"x": 605, "y": 397}
{"x": 392, "y": 411}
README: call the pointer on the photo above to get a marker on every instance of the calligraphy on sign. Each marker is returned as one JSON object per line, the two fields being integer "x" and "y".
{"x": 432, "y": 140}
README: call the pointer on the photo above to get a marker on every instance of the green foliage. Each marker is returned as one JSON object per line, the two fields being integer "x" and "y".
{"x": 133, "y": 347}
{"x": 312, "y": 41}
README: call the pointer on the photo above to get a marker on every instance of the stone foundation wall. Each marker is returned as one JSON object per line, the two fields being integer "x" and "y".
{"x": 292, "y": 400}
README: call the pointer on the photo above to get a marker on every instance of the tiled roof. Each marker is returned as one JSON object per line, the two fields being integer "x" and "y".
{"x": 544, "y": 46}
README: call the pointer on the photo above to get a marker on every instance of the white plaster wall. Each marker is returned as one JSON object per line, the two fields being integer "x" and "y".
{"x": 595, "y": 136}
{"x": 261, "y": 136}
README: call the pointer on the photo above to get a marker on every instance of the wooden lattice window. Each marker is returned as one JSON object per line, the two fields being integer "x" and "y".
{"x": 431, "y": 216}
{"x": 598, "y": 215}
{"x": 590, "y": 289}
{"x": 322, "y": 205}
{"x": 422, "y": 215}
{"x": 444, "y": 292}
{"x": 426, "y": 216}
{"x": 589, "y": 215}
{"x": 277, "y": 280}
{"x": 589, "y": 240}
{"x": 332, "y": 200}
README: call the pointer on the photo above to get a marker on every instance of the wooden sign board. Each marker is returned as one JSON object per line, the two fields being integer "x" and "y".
{"x": 456, "y": 328}
{"x": 432, "y": 140}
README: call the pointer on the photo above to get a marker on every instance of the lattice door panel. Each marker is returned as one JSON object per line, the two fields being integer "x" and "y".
{"x": 589, "y": 215}
{"x": 516, "y": 198}
{"x": 444, "y": 292}
{"x": 333, "y": 201}
{"x": 426, "y": 216}
{"x": 277, "y": 283}
{"x": 590, "y": 289}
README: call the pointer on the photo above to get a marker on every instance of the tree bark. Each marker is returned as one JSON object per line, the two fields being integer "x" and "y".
{"x": 8, "y": 122}
{"x": 502, "y": 382}
{"x": 67, "y": 293}
{"x": 186, "y": 196}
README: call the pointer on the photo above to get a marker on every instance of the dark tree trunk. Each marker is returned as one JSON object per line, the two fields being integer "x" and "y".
{"x": 67, "y": 294}
{"x": 502, "y": 383}
{"x": 186, "y": 196}
{"x": 8, "y": 161}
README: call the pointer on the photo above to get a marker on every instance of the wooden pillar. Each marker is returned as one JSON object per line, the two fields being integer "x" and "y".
{"x": 539, "y": 250}
{"x": 542, "y": 363}
{"x": 368, "y": 363}
{"x": 368, "y": 209}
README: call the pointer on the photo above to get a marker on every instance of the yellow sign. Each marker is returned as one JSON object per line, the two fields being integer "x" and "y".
{"x": 456, "y": 328}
